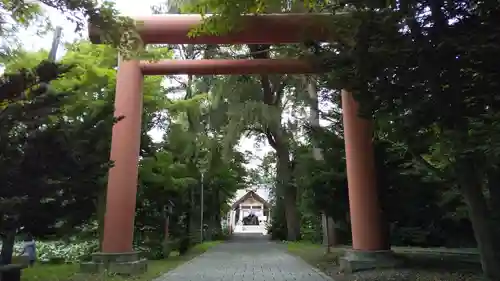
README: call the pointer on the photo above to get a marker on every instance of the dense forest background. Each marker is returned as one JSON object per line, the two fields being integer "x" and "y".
{"x": 423, "y": 71}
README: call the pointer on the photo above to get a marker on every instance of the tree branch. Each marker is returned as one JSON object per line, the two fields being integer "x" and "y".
{"x": 267, "y": 132}
{"x": 271, "y": 139}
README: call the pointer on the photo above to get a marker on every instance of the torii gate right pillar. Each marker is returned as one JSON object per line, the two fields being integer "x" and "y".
{"x": 369, "y": 244}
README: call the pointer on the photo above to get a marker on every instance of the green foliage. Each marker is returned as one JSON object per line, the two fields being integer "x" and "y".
{"x": 103, "y": 15}
{"x": 61, "y": 251}
{"x": 61, "y": 138}
{"x": 224, "y": 15}
{"x": 48, "y": 170}
{"x": 430, "y": 90}
{"x": 170, "y": 175}
{"x": 156, "y": 268}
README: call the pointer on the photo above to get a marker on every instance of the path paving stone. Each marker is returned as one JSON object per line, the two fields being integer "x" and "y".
{"x": 245, "y": 258}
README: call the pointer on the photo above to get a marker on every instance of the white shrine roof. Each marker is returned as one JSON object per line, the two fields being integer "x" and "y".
{"x": 262, "y": 191}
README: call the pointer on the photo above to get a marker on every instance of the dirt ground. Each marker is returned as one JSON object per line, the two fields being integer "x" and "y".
{"x": 427, "y": 266}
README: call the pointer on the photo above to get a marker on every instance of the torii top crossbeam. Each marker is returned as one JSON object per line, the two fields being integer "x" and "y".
{"x": 253, "y": 29}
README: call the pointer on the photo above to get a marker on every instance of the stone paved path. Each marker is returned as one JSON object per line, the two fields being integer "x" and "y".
{"x": 245, "y": 258}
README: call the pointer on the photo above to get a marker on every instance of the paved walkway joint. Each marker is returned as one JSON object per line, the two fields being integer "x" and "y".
{"x": 245, "y": 258}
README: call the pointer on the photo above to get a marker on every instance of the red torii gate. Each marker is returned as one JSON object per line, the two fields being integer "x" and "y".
{"x": 368, "y": 240}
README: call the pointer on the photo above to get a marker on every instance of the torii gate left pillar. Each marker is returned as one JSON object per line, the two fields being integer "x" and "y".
{"x": 117, "y": 251}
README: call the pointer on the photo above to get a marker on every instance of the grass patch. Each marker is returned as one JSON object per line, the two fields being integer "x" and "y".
{"x": 70, "y": 272}
{"x": 416, "y": 265}
{"x": 315, "y": 254}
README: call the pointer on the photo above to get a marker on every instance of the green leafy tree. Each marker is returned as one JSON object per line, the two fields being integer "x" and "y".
{"x": 18, "y": 14}
{"x": 254, "y": 114}
{"x": 81, "y": 122}
{"x": 47, "y": 167}
{"x": 434, "y": 97}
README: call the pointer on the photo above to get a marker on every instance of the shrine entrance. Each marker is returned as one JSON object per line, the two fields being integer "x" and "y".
{"x": 368, "y": 241}
{"x": 249, "y": 213}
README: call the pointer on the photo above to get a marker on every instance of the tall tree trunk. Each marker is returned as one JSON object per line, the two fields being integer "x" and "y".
{"x": 278, "y": 218}
{"x": 471, "y": 188}
{"x": 185, "y": 240}
{"x": 382, "y": 184}
{"x": 209, "y": 215}
{"x": 8, "y": 247}
{"x": 494, "y": 202}
{"x": 217, "y": 215}
{"x": 194, "y": 216}
{"x": 278, "y": 139}
{"x": 327, "y": 222}
{"x": 101, "y": 210}
{"x": 167, "y": 229}
{"x": 288, "y": 192}
{"x": 166, "y": 239}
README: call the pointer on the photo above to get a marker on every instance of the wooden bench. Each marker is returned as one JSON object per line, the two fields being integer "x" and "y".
{"x": 11, "y": 272}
